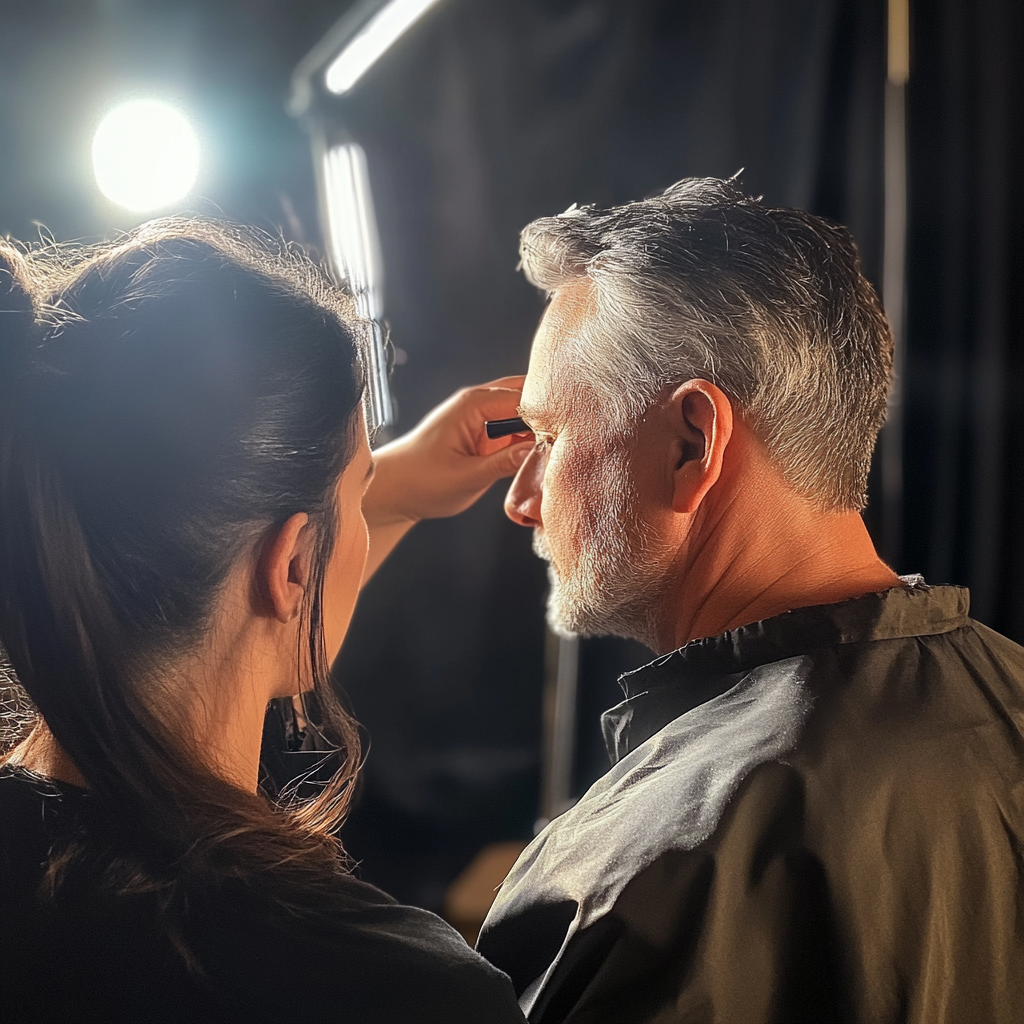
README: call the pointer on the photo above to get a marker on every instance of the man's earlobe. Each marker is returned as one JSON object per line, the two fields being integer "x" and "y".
{"x": 703, "y": 416}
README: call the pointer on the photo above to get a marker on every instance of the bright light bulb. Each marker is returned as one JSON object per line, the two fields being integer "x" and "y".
{"x": 145, "y": 155}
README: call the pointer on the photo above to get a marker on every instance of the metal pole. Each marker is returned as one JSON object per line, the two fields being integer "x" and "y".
{"x": 561, "y": 672}
{"x": 894, "y": 261}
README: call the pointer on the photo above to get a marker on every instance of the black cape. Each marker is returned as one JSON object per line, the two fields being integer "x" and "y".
{"x": 818, "y": 817}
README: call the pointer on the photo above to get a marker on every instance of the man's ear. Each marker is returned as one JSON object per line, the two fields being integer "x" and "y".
{"x": 284, "y": 567}
{"x": 701, "y": 414}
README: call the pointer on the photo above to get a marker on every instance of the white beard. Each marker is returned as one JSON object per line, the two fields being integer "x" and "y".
{"x": 616, "y": 585}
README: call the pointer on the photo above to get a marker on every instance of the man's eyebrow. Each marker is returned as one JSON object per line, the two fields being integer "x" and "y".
{"x": 532, "y": 415}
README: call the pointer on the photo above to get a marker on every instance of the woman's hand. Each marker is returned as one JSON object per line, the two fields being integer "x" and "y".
{"x": 443, "y": 465}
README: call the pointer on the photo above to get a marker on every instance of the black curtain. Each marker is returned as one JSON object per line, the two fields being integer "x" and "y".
{"x": 964, "y": 460}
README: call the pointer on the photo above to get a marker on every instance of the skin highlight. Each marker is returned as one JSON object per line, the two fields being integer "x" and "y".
{"x": 733, "y": 541}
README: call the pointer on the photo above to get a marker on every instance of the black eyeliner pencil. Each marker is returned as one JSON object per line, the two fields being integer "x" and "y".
{"x": 502, "y": 428}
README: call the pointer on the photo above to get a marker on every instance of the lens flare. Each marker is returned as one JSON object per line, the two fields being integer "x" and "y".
{"x": 145, "y": 155}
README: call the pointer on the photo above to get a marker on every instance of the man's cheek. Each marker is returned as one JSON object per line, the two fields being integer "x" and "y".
{"x": 566, "y": 526}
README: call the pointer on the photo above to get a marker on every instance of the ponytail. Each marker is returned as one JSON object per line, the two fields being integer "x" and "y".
{"x": 164, "y": 403}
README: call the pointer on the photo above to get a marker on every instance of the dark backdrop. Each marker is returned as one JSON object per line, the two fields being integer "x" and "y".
{"x": 965, "y": 374}
{"x": 490, "y": 113}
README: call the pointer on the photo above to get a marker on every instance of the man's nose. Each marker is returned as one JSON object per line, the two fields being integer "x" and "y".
{"x": 522, "y": 503}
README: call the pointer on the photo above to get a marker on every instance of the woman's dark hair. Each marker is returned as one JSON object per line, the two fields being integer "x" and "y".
{"x": 166, "y": 402}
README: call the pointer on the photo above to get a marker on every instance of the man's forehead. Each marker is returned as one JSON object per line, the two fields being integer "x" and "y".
{"x": 570, "y": 307}
{"x": 549, "y": 378}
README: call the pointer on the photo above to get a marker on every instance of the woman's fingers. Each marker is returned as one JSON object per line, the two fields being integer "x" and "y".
{"x": 443, "y": 465}
{"x": 492, "y": 400}
{"x": 478, "y": 405}
{"x": 515, "y": 382}
{"x": 503, "y": 463}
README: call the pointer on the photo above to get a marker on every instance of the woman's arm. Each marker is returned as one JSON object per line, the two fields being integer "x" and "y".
{"x": 441, "y": 466}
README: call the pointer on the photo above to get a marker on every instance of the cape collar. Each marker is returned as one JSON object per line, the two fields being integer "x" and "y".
{"x": 675, "y": 683}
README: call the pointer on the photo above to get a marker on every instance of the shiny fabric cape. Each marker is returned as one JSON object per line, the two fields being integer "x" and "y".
{"x": 819, "y": 817}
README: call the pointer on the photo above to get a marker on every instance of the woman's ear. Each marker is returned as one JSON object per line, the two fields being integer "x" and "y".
{"x": 285, "y": 567}
{"x": 701, "y": 414}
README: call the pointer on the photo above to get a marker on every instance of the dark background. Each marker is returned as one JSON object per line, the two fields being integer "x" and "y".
{"x": 488, "y": 114}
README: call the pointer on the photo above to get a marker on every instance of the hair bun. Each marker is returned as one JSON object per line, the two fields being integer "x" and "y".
{"x": 18, "y": 327}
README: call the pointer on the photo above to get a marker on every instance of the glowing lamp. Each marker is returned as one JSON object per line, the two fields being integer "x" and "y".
{"x": 145, "y": 155}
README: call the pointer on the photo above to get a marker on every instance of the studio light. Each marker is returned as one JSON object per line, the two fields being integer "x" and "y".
{"x": 371, "y": 42}
{"x": 145, "y": 155}
{"x": 355, "y": 254}
{"x": 354, "y": 44}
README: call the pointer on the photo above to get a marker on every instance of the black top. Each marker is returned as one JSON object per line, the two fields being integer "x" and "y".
{"x": 818, "y": 817}
{"x": 90, "y": 957}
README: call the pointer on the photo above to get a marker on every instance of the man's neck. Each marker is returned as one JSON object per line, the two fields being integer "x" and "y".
{"x": 749, "y": 568}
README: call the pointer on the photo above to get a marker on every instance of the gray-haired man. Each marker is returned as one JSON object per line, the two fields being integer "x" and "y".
{"x": 816, "y": 805}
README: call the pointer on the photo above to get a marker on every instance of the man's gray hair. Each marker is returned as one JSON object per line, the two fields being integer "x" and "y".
{"x": 769, "y": 304}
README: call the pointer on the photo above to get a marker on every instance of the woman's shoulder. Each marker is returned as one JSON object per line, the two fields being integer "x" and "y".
{"x": 32, "y": 810}
{"x": 370, "y": 956}
{"x": 19, "y": 786}
{"x": 362, "y": 956}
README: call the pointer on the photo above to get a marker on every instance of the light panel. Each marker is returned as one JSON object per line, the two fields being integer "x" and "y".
{"x": 372, "y": 41}
{"x": 355, "y": 256}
